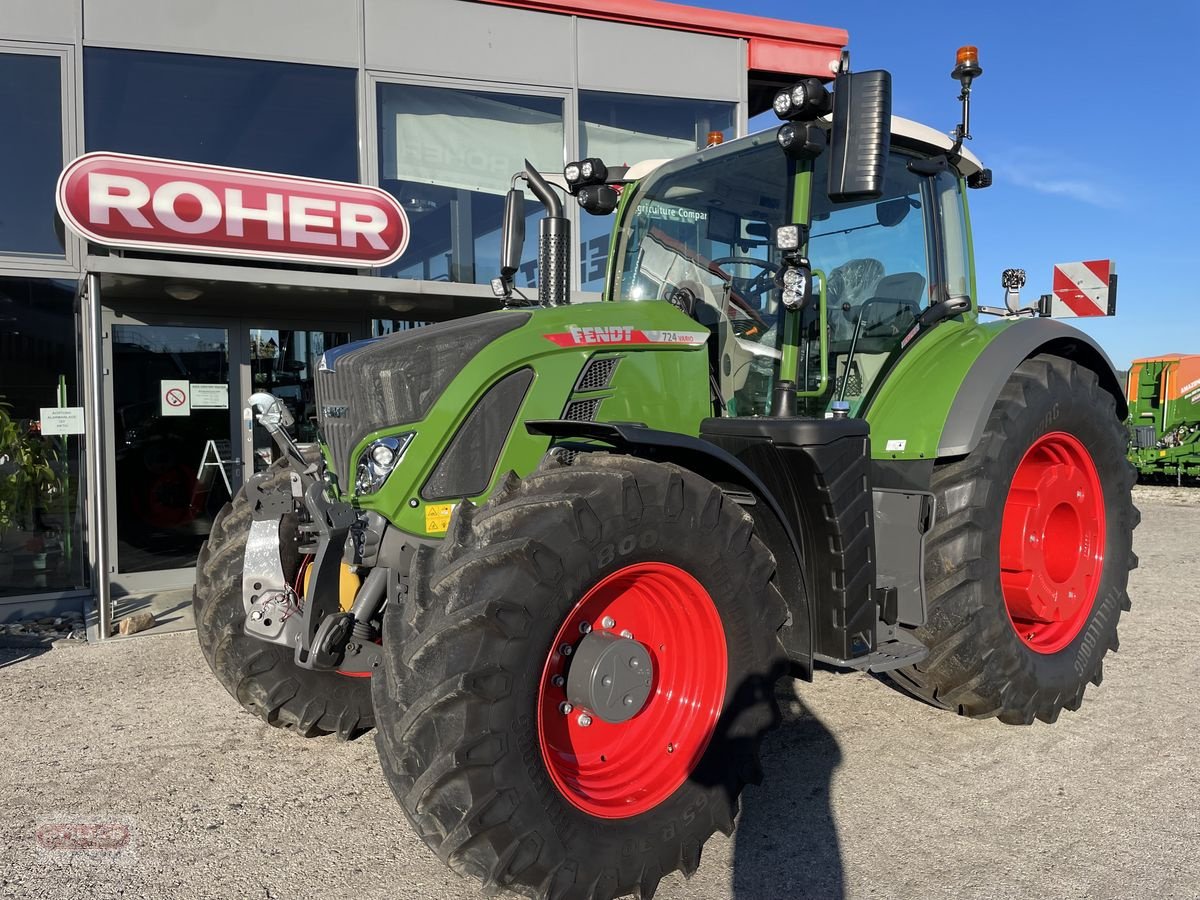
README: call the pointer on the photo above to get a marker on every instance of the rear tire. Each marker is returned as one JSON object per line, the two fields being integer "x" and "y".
{"x": 466, "y": 701}
{"x": 262, "y": 677}
{"x": 988, "y": 656}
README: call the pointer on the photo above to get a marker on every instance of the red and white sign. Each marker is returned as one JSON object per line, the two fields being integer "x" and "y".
{"x": 143, "y": 203}
{"x": 591, "y": 335}
{"x": 1082, "y": 288}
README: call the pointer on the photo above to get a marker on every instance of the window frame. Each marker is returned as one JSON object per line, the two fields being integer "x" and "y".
{"x": 44, "y": 265}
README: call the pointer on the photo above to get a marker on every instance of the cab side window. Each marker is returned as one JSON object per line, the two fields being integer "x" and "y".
{"x": 873, "y": 252}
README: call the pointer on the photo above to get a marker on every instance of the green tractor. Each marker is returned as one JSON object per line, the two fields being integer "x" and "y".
{"x": 557, "y": 555}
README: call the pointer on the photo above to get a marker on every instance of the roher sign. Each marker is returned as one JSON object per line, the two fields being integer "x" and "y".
{"x": 143, "y": 203}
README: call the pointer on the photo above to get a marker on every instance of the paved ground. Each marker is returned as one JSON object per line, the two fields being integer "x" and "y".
{"x": 868, "y": 794}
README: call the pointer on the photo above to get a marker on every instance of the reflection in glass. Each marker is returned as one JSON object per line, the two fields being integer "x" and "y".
{"x": 448, "y": 156}
{"x": 274, "y": 116}
{"x": 623, "y": 129}
{"x": 41, "y": 534}
{"x": 282, "y": 362}
{"x": 171, "y": 469}
{"x": 31, "y": 152}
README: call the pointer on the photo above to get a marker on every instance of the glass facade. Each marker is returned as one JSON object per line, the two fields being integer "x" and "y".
{"x": 31, "y": 153}
{"x": 274, "y": 116}
{"x": 446, "y": 148}
{"x": 448, "y": 155}
{"x": 41, "y": 546}
{"x": 623, "y": 129}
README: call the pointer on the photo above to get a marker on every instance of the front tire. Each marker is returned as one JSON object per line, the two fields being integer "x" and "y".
{"x": 1028, "y": 561}
{"x": 500, "y": 781}
{"x": 262, "y": 677}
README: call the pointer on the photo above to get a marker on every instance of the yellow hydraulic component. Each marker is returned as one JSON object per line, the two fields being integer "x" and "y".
{"x": 348, "y": 585}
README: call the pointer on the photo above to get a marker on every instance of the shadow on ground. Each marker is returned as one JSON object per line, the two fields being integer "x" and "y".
{"x": 12, "y": 652}
{"x": 786, "y": 843}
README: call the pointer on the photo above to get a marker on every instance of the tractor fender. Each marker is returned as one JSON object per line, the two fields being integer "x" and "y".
{"x": 720, "y": 467}
{"x": 981, "y": 387}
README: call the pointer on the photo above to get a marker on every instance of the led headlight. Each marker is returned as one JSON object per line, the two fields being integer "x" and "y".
{"x": 792, "y": 278}
{"x": 379, "y": 460}
{"x": 572, "y": 173}
{"x": 584, "y": 172}
{"x": 782, "y": 104}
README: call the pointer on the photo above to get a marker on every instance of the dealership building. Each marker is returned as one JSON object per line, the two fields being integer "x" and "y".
{"x": 109, "y": 485}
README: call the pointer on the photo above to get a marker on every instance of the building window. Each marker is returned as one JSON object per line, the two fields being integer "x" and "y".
{"x": 273, "y": 116}
{"x": 31, "y": 153}
{"x": 41, "y": 546}
{"x": 623, "y": 129}
{"x": 448, "y": 155}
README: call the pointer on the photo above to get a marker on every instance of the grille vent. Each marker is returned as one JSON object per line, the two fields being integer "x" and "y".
{"x": 581, "y": 410}
{"x": 597, "y": 374}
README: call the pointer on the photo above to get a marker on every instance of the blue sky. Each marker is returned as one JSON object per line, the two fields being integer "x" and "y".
{"x": 1087, "y": 115}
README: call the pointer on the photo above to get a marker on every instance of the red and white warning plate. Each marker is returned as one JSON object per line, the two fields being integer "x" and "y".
{"x": 1083, "y": 289}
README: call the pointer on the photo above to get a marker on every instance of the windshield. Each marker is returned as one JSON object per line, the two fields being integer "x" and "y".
{"x": 701, "y": 236}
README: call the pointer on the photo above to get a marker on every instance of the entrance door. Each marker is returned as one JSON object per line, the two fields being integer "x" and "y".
{"x": 179, "y": 435}
{"x": 173, "y": 461}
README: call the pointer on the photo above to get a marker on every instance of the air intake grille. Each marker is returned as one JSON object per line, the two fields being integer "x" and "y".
{"x": 581, "y": 410}
{"x": 465, "y": 469}
{"x": 597, "y": 374}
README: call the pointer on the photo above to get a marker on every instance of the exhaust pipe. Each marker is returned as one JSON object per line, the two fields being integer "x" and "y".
{"x": 554, "y": 243}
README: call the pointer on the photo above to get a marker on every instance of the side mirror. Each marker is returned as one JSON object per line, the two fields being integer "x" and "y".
{"x": 513, "y": 240}
{"x": 861, "y": 135}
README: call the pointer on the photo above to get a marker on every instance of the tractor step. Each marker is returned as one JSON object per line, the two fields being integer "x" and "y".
{"x": 903, "y": 650}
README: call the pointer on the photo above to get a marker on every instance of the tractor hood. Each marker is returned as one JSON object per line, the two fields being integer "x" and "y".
{"x": 369, "y": 385}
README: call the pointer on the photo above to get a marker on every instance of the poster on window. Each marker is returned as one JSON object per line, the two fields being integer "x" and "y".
{"x": 456, "y": 140}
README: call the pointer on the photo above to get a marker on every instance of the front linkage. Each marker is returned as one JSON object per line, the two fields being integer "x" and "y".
{"x": 310, "y": 613}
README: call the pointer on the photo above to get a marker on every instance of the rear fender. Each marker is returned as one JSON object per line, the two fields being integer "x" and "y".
{"x": 936, "y": 402}
{"x": 739, "y": 483}
{"x": 985, "y": 379}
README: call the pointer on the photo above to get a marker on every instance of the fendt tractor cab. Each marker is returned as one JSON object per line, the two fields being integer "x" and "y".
{"x": 575, "y": 545}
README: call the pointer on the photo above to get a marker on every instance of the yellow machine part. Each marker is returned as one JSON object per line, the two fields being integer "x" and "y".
{"x": 348, "y": 585}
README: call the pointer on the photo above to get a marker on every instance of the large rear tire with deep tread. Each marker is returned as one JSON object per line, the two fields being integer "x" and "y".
{"x": 262, "y": 677}
{"x": 464, "y": 679}
{"x": 981, "y": 661}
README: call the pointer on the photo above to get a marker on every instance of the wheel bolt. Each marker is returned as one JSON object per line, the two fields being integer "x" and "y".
{"x": 670, "y": 748}
{"x": 558, "y": 681}
{"x": 565, "y": 708}
{"x": 566, "y": 650}
{"x": 1033, "y": 539}
{"x": 585, "y": 628}
{"x": 1079, "y": 495}
{"x": 608, "y": 621}
{"x": 627, "y": 633}
{"x": 606, "y": 681}
{"x": 584, "y": 720}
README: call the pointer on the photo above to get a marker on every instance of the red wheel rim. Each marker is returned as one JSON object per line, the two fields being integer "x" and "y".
{"x": 1052, "y": 542}
{"x": 618, "y": 770}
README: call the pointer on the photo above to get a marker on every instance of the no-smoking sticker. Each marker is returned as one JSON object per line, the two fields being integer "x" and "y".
{"x": 176, "y": 398}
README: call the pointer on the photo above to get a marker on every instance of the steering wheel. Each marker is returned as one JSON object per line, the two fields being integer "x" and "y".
{"x": 760, "y": 285}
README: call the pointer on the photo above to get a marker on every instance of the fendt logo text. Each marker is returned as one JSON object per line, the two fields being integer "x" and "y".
{"x": 144, "y": 203}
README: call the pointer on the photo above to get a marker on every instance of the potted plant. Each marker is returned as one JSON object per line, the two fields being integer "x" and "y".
{"x": 30, "y": 479}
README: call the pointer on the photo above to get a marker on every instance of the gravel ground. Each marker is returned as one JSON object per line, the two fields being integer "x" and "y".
{"x": 868, "y": 794}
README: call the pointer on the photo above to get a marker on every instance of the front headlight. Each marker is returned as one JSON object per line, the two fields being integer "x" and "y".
{"x": 379, "y": 460}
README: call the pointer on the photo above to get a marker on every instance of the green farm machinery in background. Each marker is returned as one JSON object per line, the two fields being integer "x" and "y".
{"x": 1164, "y": 416}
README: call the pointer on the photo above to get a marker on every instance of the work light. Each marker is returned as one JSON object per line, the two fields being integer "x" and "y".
{"x": 584, "y": 172}
{"x": 807, "y": 100}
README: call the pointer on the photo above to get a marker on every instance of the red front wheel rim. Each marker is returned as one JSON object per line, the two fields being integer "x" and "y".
{"x": 1052, "y": 542}
{"x": 614, "y": 771}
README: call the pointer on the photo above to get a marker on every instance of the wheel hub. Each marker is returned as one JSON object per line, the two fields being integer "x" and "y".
{"x": 1052, "y": 542}
{"x": 649, "y": 634}
{"x": 610, "y": 676}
